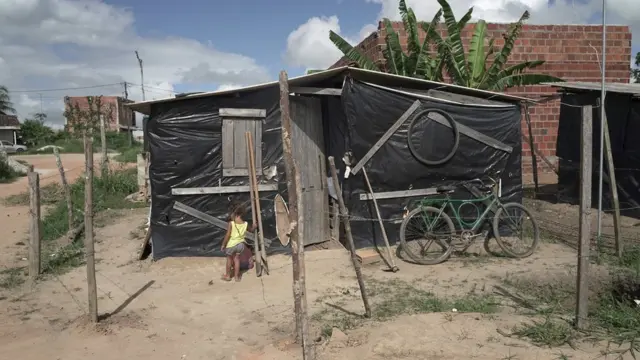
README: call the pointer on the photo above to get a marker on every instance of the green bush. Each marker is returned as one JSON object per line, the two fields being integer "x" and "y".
{"x": 7, "y": 173}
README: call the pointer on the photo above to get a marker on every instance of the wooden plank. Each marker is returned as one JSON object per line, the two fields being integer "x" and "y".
{"x": 613, "y": 187}
{"x": 245, "y": 113}
{"x": 586, "y": 170}
{"x": 476, "y": 135}
{"x": 34, "y": 225}
{"x": 391, "y": 261}
{"x": 235, "y": 172}
{"x": 368, "y": 256}
{"x": 227, "y": 145}
{"x": 240, "y": 127}
{"x": 221, "y": 189}
{"x": 386, "y": 136}
{"x": 316, "y": 91}
{"x": 206, "y": 217}
{"x": 90, "y": 255}
{"x": 400, "y": 194}
{"x": 256, "y": 201}
{"x": 257, "y": 136}
{"x": 534, "y": 159}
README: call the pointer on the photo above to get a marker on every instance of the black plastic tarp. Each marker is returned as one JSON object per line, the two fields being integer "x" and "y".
{"x": 623, "y": 120}
{"x": 185, "y": 145}
{"x": 371, "y": 111}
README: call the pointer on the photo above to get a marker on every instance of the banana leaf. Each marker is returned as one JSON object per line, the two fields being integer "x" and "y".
{"x": 476, "y": 54}
{"x": 521, "y": 80}
{"x": 352, "y": 53}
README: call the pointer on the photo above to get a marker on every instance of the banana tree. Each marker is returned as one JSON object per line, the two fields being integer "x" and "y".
{"x": 476, "y": 70}
{"x": 6, "y": 106}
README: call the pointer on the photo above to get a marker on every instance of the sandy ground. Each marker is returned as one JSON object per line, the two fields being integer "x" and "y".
{"x": 167, "y": 309}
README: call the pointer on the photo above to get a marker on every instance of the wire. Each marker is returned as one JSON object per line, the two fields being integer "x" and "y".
{"x": 66, "y": 89}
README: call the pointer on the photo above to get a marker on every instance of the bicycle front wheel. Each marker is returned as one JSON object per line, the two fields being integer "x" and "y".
{"x": 423, "y": 228}
{"x": 516, "y": 230}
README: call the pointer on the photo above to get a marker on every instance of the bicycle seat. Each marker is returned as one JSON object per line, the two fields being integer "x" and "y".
{"x": 445, "y": 188}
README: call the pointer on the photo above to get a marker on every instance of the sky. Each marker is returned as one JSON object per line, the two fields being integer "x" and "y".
{"x": 53, "y": 48}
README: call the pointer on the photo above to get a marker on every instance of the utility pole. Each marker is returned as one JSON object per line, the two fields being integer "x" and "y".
{"x": 126, "y": 96}
{"x": 141, "y": 75}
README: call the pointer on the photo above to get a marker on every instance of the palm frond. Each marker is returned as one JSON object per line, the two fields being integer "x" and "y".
{"x": 464, "y": 20}
{"x": 454, "y": 43}
{"x": 413, "y": 40}
{"x": 521, "y": 80}
{"x": 6, "y": 106}
{"x": 509, "y": 43}
{"x": 519, "y": 68}
{"x": 393, "y": 52}
{"x": 352, "y": 53}
{"x": 476, "y": 53}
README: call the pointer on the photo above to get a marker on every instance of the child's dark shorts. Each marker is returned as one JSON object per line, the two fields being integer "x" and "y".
{"x": 234, "y": 250}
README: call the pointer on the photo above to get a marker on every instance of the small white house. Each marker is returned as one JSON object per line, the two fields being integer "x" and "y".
{"x": 9, "y": 126}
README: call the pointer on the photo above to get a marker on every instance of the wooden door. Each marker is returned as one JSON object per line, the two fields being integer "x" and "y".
{"x": 307, "y": 141}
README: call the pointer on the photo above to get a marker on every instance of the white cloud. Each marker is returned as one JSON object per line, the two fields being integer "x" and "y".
{"x": 309, "y": 45}
{"x": 47, "y": 44}
{"x": 228, "y": 87}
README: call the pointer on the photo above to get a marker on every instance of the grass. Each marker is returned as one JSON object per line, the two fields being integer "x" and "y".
{"x": 118, "y": 142}
{"x": 393, "y": 298}
{"x": 11, "y": 277}
{"x": 129, "y": 154}
{"x": 613, "y": 315}
{"x": 8, "y": 174}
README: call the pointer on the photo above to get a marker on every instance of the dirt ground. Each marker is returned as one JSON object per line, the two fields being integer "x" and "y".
{"x": 168, "y": 310}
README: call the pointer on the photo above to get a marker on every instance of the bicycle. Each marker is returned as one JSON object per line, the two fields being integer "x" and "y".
{"x": 430, "y": 210}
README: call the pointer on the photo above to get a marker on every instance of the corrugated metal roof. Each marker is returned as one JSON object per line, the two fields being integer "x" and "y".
{"x": 376, "y": 77}
{"x": 622, "y": 88}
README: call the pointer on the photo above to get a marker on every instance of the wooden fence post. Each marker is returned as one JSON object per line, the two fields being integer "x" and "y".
{"x": 104, "y": 162}
{"x": 65, "y": 187}
{"x": 88, "y": 227}
{"x": 34, "y": 224}
{"x": 534, "y": 159}
{"x": 586, "y": 170}
{"x": 296, "y": 220}
{"x": 613, "y": 185}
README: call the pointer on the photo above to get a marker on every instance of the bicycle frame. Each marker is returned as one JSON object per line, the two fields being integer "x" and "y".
{"x": 490, "y": 201}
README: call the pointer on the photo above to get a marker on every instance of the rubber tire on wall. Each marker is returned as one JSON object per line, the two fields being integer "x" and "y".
{"x": 403, "y": 240}
{"x": 454, "y": 128}
{"x": 496, "y": 233}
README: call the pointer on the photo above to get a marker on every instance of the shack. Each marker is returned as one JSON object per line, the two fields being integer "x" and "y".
{"x": 622, "y": 110}
{"x": 199, "y": 157}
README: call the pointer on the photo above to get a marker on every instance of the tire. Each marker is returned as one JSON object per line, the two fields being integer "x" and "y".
{"x": 502, "y": 243}
{"x": 19, "y": 150}
{"x": 454, "y": 128}
{"x": 418, "y": 258}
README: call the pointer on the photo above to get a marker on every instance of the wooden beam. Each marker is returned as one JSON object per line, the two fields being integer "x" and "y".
{"x": 386, "y": 136}
{"x": 244, "y": 113}
{"x": 584, "y": 232}
{"x": 534, "y": 160}
{"x": 206, "y": 218}
{"x": 399, "y": 194}
{"x": 222, "y": 189}
{"x": 316, "y": 91}
{"x": 613, "y": 186}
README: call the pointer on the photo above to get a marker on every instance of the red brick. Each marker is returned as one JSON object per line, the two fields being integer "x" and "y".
{"x": 571, "y": 52}
{"x": 118, "y": 116}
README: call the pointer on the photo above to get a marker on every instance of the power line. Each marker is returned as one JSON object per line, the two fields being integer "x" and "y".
{"x": 152, "y": 87}
{"x": 65, "y": 89}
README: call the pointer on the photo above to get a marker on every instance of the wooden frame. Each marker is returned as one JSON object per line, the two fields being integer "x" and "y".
{"x": 242, "y": 113}
{"x": 206, "y": 217}
{"x": 399, "y": 194}
{"x": 234, "y": 150}
{"x": 221, "y": 189}
{"x": 316, "y": 91}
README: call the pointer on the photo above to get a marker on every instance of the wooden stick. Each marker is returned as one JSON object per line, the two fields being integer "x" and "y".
{"x": 391, "y": 262}
{"x": 296, "y": 219}
{"x": 65, "y": 187}
{"x": 613, "y": 186}
{"x": 88, "y": 227}
{"x": 103, "y": 143}
{"x": 34, "y": 224}
{"x": 257, "y": 250}
{"x": 537, "y": 152}
{"x": 586, "y": 158}
{"x": 534, "y": 159}
{"x": 347, "y": 228}
{"x": 256, "y": 197}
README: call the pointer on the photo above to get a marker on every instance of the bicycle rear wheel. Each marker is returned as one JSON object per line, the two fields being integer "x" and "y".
{"x": 514, "y": 225}
{"x": 427, "y": 224}
{"x": 452, "y": 124}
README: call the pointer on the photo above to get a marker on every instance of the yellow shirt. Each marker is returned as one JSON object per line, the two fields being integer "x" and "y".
{"x": 238, "y": 232}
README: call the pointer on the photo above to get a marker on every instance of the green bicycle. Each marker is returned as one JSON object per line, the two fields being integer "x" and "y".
{"x": 431, "y": 222}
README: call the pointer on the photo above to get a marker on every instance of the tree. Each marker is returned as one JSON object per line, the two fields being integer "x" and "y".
{"x": 477, "y": 69}
{"x": 34, "y": 132}
{"x": 6, "y": 106}
{"x": 635, "y": 72}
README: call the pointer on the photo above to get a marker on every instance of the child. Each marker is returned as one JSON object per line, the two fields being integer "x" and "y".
{"x": 233, "y": 244}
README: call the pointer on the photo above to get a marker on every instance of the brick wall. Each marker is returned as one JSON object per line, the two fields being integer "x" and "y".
{"x": 570, "y": 52}
{"x": 116, "y": 114}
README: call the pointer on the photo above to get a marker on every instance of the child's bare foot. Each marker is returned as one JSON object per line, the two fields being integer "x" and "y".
{"x": 237, "y": 279}
{"x": 226, "y": 278}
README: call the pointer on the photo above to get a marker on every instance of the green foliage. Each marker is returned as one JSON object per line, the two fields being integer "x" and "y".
{"x": 482, "y": 68}
{"x": 7, "y": 173}
{"x": 34, "y": 132}
{"x": 635, "y": 73}
{"x": 6, "y": 106}
{"x": 129, "y": 155}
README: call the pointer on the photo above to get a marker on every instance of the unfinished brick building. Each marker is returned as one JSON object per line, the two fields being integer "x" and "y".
{"x": 117, "y": 116}
{"x": 570, "y": 52}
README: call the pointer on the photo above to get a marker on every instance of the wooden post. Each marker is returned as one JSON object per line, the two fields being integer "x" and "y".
{"x": 65, "y": 187}
{"x": 34, "y": 224}
{"x": 613, "y": 185}
{"x": 296, "y": 220}
{"x": 347, "y": 229}
{"x": 88, "y": 226}
{"x": 256, "y": 212}
{"x": 104, "y": 164}
{"x": 534, "y": 159}
{"x": 586, "y": 159}
{"x": 390, "y": 262}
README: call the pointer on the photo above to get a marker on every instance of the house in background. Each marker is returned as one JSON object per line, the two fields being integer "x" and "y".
{"x": 117, "y": 116}
{"x": 9, "y": 127}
